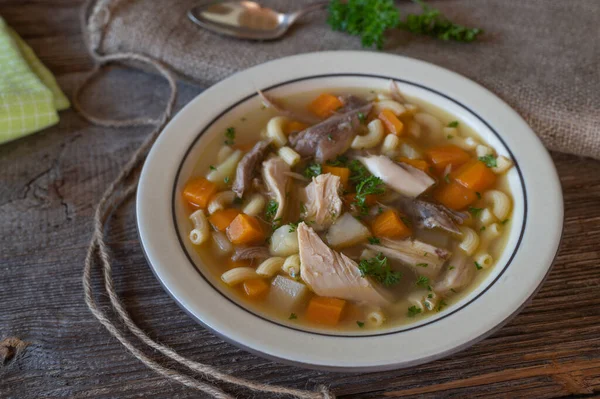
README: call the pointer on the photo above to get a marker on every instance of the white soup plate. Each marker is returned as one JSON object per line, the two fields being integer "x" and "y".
{"x": 197, "y": 132}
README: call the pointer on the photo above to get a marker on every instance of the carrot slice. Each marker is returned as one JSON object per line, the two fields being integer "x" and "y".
{"x": 245, "y": 229}
{"x": 455, "y": 196}
{"x": 391, "y": 122}
{"x": 221, "y": 219}
{"x": 256, "y": 288}
{"x": 294, "y": 126}
{"x": 198, "y": 192}
{"x": 342, "y": 173}
{"x": 325, "y": 310}
{"x": 475, "y": 175}
{"x": 417, "y": 163}
{"x": 440, "y": 157}
{"x": 390, "y": 224}
{"x": 324, "y": 105}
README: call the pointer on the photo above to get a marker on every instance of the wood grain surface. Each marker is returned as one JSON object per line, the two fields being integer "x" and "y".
{"x": 51, "y": 181}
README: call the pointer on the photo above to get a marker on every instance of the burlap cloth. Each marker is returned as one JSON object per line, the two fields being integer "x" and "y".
{"x": 540, "y": 56}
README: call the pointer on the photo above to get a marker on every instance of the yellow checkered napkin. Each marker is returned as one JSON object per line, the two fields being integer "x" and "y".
{"x": 29, "y": 94}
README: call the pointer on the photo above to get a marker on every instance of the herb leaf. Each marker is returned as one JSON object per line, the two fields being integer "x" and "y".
{"x": 475, "y": 211}
{"x": 379, "y": 269}
{"x": 368, "y": 19}
{"x": 422, "y": 264}
{"x": 361, "y": 324}
{"x": 230, "y": 136}
{"x": 361, "y": 118}
{"x": 358, "y": 172}
{"x": 341, "y": 160}
{"x": 423, "y": 281}
{"x": 489, "y": 160}
{"x": 271, "y": 209}
{"x": 432, "y": 22}
{"x": 211, "y": 167}
{"x": 313, "y": 170}
{"x": 294, "y": 225}
{"x": 478, "y": 266}
{"x": 453, "y": 124}
{"x": 372, "y": 185}
{"x": 374, "y": 240}
{"x": 293, "y": 316}
{"x": 441, "y": 305}
{"x": 413, "y": 311}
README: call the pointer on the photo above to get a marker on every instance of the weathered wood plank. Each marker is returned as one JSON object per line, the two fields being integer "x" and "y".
{"x": 49, "y": 183}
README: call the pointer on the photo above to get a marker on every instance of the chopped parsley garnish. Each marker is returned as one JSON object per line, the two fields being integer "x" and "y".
{"x": 372, "y": 185}
{"x": 369, "y": 19}
{"x": 294, "y": 226}
{"x": 453, "y": 124}
{"x": 357, "y": 171}
{"x": 413, "y": 311}
{"x": 341, "y": 160}
{"x": 449, "y": 137}
{"x": 406, "y": 221}
{"x": 379, "y": 269}
{"x": 489, "y": 160}
{"x": 453, "y": 290}
{"x": 482, "y": 228}
{"x": 293, "y": 316}
{"x": 271, "y": 209}
{"x": 211, "y": 167}
{"x": 425, "y": 253}
{"x": 312, "y": 170}
{"x": 505, "y": 221}
{"x": 478, "y": 266}
{"x": 374, "y": 240}
{"x": 475, "y": 211}
{"x": 227, "y": 179}
{"x": 447, "y": 178}
{"x": 430, "y": 296}
{"x": 441, "y": 305}
{"x": 276, "y": 223}
{"x": 451, "y": 267}
{"x": 329, "y": 137}
{"x": 423, "y": 282}
{"x": 478, "y": 194}
{"x": 361, "y": 324}
{"x": 230, "y": 136}
{"x": 380, "y": 210}
{"x": 361, "y": 117}
{"x": 422, "y": 264}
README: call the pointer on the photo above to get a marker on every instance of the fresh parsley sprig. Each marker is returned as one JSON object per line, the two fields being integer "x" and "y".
{"x": 432, "y": 22}
{"x": 371, "y": 19}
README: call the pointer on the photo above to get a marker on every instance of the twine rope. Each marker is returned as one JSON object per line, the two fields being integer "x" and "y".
{"x": 124, "y": 185}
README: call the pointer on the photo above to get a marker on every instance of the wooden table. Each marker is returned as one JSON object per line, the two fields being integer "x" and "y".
{"x": 51, "y": 181}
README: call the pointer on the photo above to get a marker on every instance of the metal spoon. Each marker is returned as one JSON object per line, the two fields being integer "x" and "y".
{"x": 247, "y": 19}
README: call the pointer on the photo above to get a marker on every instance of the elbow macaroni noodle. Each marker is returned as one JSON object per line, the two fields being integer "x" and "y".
{"x": 275, "y": 130}
{"x": 372, "y": 138}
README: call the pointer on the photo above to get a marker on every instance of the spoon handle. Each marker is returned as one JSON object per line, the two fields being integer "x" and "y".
{"x": 321, "y": 5}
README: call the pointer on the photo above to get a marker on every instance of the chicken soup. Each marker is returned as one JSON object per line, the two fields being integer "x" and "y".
{"x": 349, "y": 210}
